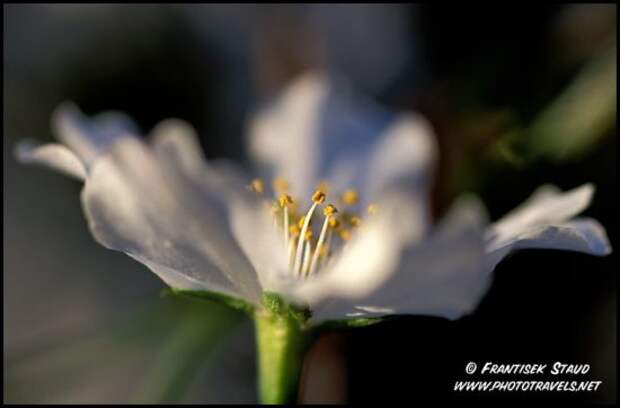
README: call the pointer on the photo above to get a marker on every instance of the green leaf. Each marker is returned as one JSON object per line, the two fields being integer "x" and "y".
{"x": 581, "y": 115}
{"x": 189, "y": 344}
{"x": 573, "y": 123}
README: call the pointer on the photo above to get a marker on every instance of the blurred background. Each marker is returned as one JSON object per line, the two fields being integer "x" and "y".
{"x": 519, "y": 96}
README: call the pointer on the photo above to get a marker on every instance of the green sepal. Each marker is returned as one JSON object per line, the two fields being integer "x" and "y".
{"x": 226, "y": 300}
{"x": 346, "y": 324}
{"x": 278, "y": 306}
{"x": 283, "y": 336}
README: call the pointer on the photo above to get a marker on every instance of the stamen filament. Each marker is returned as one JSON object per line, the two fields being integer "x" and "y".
{"x": 285, "y": 227}
{"x": 328, "y": 244}
{"x": 302, "y": 234}
{"x": 307, "y": 253}
{"x": 319, "y": 244}
{"x": 318, "y": 197}
{"x": 329, "y": 211}
{"x": 291, "y": 252}
{"x": 285, "y": 200}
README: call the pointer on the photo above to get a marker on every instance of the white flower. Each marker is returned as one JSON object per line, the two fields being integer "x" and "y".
{"x": 206, "y": 226}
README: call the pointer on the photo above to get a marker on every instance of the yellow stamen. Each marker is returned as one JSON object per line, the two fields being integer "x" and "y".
{"x": 308, "y": 235}
{"x": 344, "y": 234}
{"x": 257, "y": 186}
{"x": 305, "y": 268}
{"x": 334, "y": 222}
{"x": 350, "y": 197}
{"x": 301, "y": 221}
{"x": 294, "y": 230}
{"x": 285, "y": 200}
{"x": 329, "y": 210}
{"x": 325, "y": 249}
{"x": 355, "y": 221}
{"x": 291, "y": 251}
{"x": 280, "y": 185}
{"x": 372, "y": 209}
{"x": 318, "y": 197}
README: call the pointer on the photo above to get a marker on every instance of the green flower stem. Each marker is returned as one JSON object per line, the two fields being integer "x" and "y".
{"x": 281, "y": 346}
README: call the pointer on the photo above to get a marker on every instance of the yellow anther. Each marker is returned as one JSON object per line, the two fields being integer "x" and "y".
{"x": 318, "y": 197}
{"x": 323, "y": 250}
{"x": 308, "y": 235}
{"x": 329, "y": 210}
{"x": 257, "y": 185}
{"x": 300, "y": 223}
{"x": 372, "y": 209}
{"x": 280, "y": 185}
{"x": 323, "y": 186}
{"x": 344, "y": 234}
{"x": 350, "y": 197}
{"x": 285, "y": 200}
{"x": 355, "y": 220}
{"x": 334, "y": 222}
{"x": 294, "y": 230}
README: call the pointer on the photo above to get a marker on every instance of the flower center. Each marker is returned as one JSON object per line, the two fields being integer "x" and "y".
{"x": 307, "y": 252}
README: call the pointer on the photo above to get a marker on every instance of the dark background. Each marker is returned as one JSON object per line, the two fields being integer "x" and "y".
{"x": 83, "y": 324}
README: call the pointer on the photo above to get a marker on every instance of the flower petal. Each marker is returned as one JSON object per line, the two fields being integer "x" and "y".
{"x": 580, "y": 235}
{"x": 89, "y": 137}
{"x": 251, "y": 222}
{"x": 147, "y": 207}
{"x": 443, "y": 276}
{"x": 253, "y": 227}
{"x": 314, "y": 131}
{"x": 547, "y": 205}
{"x": 53, "y": 155}
{"x": 541, "y": 222}
{"x": 363, "y": 263}
{"x": 404, "y": 157}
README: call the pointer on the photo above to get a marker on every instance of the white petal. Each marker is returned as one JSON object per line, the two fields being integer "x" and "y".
{"x": 363, "y": 263}
{"x": 314, "y": 131}
{"x": 547, "y": 205}
{"x": 377, "y": 275}
{"x": 404, "y": 157}
{"x": 89, "y": 137}
{"x": 263, "y": 244}
{"x": 282, "y": 137}
{"x": 541, "y": 222}
{"x": 251, "y": 222}
{"x": 176, "y": 141}
{"x": 580, "y": 234}
{"x": 147, "y": 207}
{"x": 443, "y": 276}
{"x": 53, "y": 155}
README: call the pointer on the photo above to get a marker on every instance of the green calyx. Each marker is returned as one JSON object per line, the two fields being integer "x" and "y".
{"x": 283, "y": 335}
{"x": 229, "y": 301}
{"x": 277, "y": 306}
